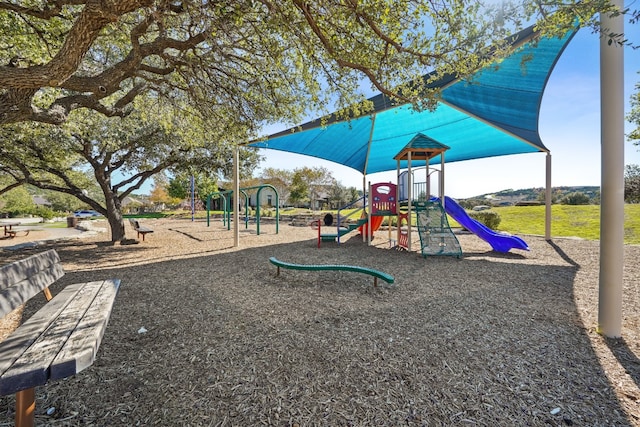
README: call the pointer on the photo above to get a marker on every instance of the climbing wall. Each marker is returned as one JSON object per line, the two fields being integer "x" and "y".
{"x": 436, "y": 236}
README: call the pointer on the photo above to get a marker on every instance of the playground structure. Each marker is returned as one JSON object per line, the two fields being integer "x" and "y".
{"x": 431, "y": 222}
{"x": 436, "y": 236}
{"x": 373, "y": 212}
{"x": 382, "y": 201}
{"x": 430, "y": 212}
{"x": 227, "y": 204}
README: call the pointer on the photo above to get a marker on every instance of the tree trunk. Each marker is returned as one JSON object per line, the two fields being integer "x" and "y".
{"x": 114, "y": 216}
{"x": 116, "y": 223}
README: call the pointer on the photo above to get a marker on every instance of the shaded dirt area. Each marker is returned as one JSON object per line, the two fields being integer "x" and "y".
{"x": 205, "y": 334}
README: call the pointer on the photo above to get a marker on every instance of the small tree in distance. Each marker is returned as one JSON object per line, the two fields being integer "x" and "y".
{"x": 281, "y": 180}
{"x": 632, "y": 184}
{"x": 575, "y": 198}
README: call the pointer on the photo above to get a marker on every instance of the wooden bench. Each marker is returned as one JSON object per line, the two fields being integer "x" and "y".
{"x": 318, "y": 267}
{"x": 139, "y": 229}
{"x": 60, "y": 339}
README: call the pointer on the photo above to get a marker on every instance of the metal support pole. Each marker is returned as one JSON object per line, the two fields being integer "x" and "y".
{"x": 369, "y": 217}
{"x": 398, "y": 183}
{"x": 193, "y": 198}
{"x": 208, "y": 210}
{"x": 441, "y": 179}
{"x": 410, "y": 197}
{"x": 547, "y": 200}
{"x": 236, "y": 197}
{"x": 612, "y": 187}
{"x": 365, "y": 200}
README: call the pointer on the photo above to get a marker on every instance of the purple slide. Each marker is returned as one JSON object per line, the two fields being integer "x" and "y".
{"x": 498, "y": 241}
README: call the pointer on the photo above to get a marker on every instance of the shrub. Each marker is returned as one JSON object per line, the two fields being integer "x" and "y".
{"x": 43, "y": 212}
{"x": 575, "y": 198}
{"x": 489, "y": 218}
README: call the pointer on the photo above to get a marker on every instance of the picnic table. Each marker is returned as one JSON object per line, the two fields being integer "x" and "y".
{"x": 60, "y": 340}
{"x": 8, "y": 226}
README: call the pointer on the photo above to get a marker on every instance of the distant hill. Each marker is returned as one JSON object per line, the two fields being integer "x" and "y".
{"x": 513, "y": 197}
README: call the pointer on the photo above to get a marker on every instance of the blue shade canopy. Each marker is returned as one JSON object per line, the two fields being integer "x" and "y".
{"x": 492, "y": 114}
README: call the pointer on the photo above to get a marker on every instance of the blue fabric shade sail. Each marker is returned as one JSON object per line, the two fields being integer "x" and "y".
{"x": 493, "y": 114}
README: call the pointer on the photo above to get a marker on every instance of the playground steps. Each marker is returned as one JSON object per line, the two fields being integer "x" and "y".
{"x": 331, "y": 237}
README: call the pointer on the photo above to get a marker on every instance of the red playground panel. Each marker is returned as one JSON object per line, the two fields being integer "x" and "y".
{"x": 383, "y": 199}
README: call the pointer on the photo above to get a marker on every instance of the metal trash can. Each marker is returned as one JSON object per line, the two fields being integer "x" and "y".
{"x": 72, "y": 221}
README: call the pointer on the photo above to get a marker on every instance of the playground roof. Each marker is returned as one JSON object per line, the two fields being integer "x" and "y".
{"x": 421, "y": 147}
{"x": 493, "y": 114}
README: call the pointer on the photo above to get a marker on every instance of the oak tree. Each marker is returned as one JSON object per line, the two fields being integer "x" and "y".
{"x": 238, "y": 64}
{"x": 121, "y": 154}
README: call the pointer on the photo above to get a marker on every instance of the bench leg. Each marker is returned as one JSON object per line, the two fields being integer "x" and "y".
{"x": 25, "y": 407}
{"x": 47, "y": 294}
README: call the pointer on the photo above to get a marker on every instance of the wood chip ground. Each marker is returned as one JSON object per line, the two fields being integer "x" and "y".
{"x": 204, "y": 334}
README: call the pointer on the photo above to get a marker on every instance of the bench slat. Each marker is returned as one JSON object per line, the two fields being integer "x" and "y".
{"x": 20, "y": 340}
{"x": 25, "y": 268}
{"x": 14, "y": 296}
{"x": 31, "y": 368}
{"x": 23, "y": 279}
{"x": 80, "y": 349}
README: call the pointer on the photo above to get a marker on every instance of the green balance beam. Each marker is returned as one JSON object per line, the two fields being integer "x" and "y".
{"x": 318, "y": 267}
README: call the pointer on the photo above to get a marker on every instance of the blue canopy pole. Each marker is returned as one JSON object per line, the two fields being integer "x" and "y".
{"x": 367, "y": 188}
{"x": 547, "y": 199}
{"x": 612, "y": 174}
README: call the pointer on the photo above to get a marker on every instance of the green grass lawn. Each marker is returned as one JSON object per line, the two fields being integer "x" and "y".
{"x": 566, "y": 221}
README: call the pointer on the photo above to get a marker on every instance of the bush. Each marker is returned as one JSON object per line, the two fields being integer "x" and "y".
{"x": 44, "y": 212}
{"x": 489, "y": 218}
{"x": 576, "y": 198}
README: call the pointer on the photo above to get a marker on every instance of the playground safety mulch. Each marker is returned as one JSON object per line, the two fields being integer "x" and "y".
{"x": 204, "y": 334}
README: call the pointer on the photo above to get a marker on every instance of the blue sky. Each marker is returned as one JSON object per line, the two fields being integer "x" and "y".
{"x": 569, "y": 127}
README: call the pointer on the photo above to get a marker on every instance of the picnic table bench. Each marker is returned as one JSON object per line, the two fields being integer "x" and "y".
{"x": 8, "y": 226}
{"x": 139, "y": 228}
{"x": 342, "y": 267}
{"x": 60, "y": 339}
